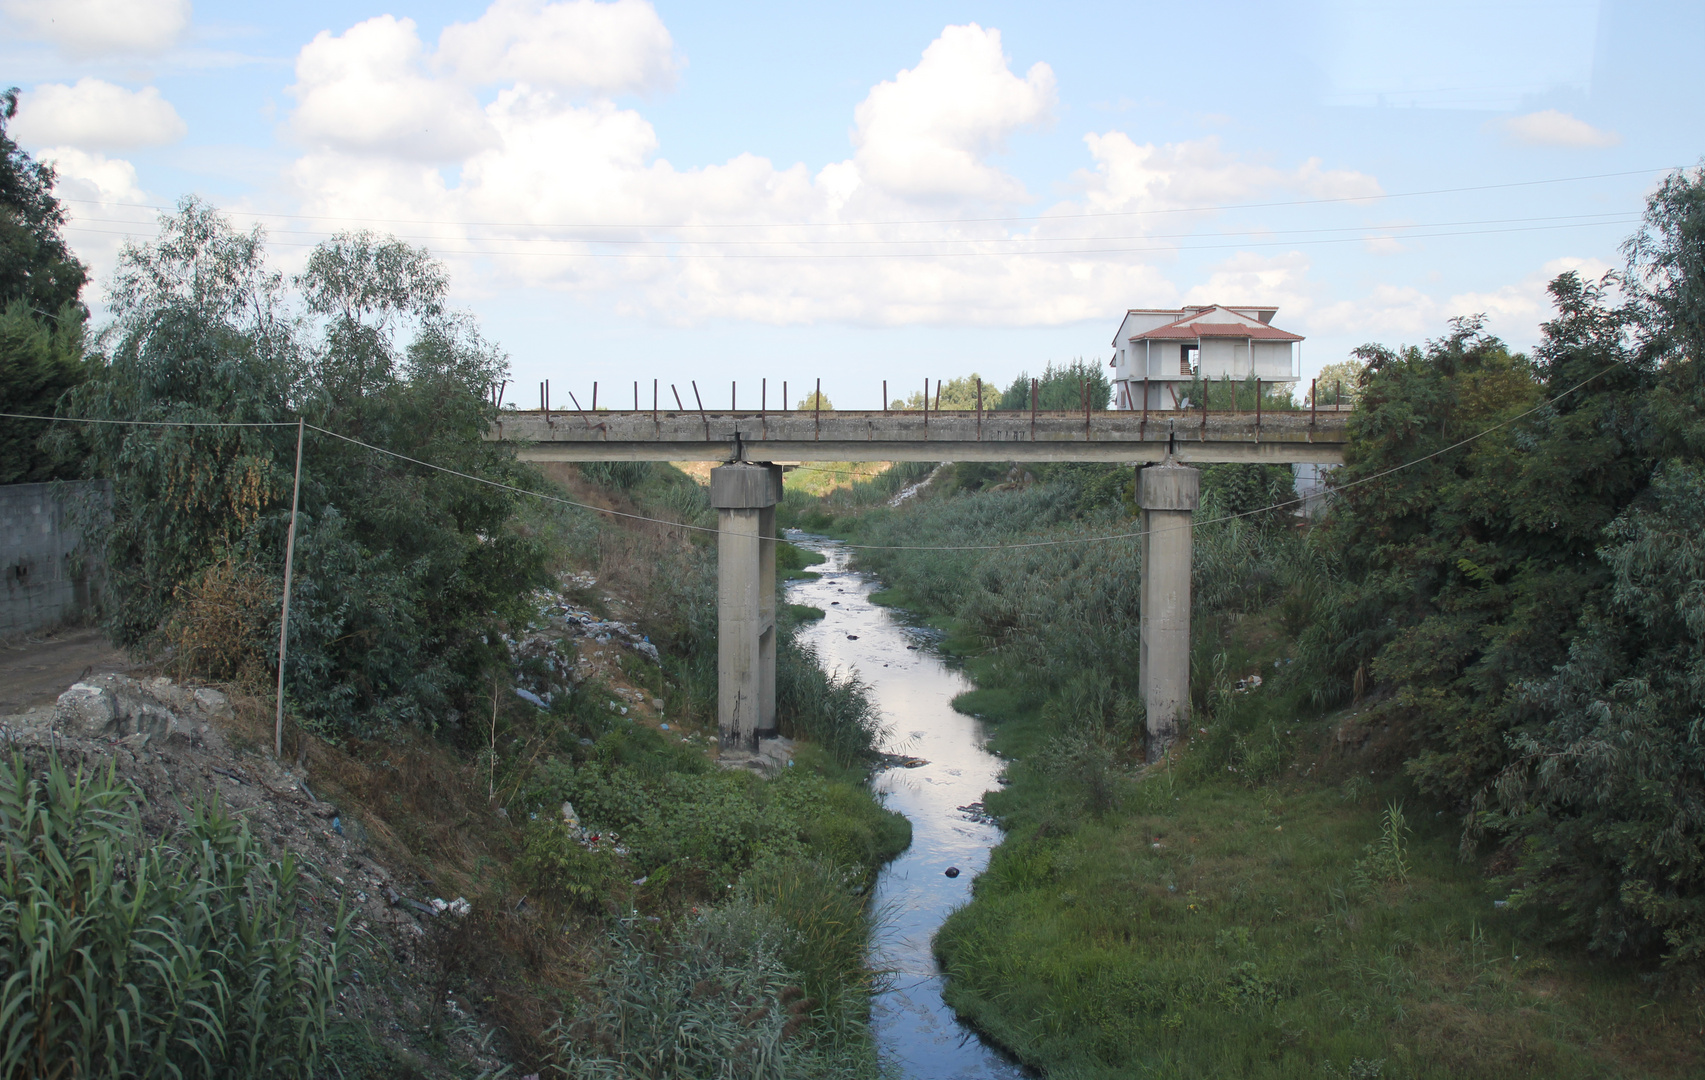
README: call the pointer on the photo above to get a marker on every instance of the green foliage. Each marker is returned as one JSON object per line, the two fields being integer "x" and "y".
{"x": 958, "y": 394}
{"x": 36, "y": 266}
{"x": 122, "y": 955}
{"x": 40, "y": 359}
{"x": 41, "y": 317}
{"x": 835, "y": 712}
{"x": 1339, "y": 382}
{"x": 1532, "y": 597}
{"x": 816, "y": 399}
{"x": 1387, "y": 858}
{"x": 1061, "y": 389}
{"x": 402, "y": 572}
{"x": 719, "y": 999}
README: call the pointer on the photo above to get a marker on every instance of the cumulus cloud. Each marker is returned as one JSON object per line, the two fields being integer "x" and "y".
{"x": 573, "y": 46}
{"x": 1550, "y": 127}
{"x": 381, "y": 117}
{"x": 367, "y": 91}
{"x": 96, "y": 115}
{"x": 1132, "y": 177}
{"x": 83, "y": 28}
{"x": 1394, "y": 313}
{"x": 926, "y": 132}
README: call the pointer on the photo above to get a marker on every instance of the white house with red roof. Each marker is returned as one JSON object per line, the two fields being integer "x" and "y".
{"x": 1164, "y": 350}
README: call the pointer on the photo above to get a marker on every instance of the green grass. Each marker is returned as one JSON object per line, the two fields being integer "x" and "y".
{"x": 1243, "y": 945}
{"x": 792, "y": 562}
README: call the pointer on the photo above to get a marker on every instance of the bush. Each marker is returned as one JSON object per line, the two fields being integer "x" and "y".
{"x": 717, "y": 1000}
{"x": 126, "y": 956}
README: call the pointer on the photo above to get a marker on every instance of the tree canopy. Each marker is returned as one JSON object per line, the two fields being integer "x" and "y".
{"x": 1528, "y": 591}
{"x": 403, "y": 573}
{"x": 41, "y": 315}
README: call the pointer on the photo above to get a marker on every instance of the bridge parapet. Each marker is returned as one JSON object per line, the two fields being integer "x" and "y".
{"x": 844, "y": 435}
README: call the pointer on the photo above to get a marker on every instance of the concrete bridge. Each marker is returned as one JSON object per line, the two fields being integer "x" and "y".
{"x": 745, "y": 489}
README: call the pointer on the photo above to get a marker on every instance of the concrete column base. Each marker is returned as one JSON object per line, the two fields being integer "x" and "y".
{"x": 1168, "y": 495}
{"x": 745, "y": 496}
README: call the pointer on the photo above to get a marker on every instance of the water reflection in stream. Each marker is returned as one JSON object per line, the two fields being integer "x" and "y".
{"x": 914, "y": 689}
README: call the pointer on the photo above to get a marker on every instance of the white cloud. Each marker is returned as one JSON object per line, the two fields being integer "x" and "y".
{"x": 926, "y": 133}
{"x": 92, "y": 177}
{"x": 366, "y": 91}
{"x": 96, "y": 115}
{"x": 1552, "y": 128}
{"x": 94, "y": 185}
{"x": 1128, "y": 177}
{"x": 1404, "y": 313}
{"x": 545, "y": 161}
{"x": 576, "y": 45}
{"x": 84, "y": 28}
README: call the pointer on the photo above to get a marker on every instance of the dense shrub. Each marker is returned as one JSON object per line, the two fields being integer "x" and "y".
{"x": 402, "y": 572}
{"x": 719, "y": 1000}
{"x": 122, "y": 955}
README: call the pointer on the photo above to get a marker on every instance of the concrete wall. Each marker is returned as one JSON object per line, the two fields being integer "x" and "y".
{"x": 1273, "y": 359}
{"x": 46, "y": 579}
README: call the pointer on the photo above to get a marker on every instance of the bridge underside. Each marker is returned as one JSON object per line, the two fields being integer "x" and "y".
{"x": 1276, "y": 438}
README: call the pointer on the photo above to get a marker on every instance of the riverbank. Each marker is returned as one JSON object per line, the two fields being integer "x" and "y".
{"x": 1253, "y": 908}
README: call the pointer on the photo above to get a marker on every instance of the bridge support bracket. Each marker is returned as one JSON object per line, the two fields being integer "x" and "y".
{"x": 1168, "y": 494}
{"x": 745, "y": 495}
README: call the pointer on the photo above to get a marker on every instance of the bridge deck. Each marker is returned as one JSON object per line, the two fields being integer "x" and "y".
{"x": 842, "y": 435}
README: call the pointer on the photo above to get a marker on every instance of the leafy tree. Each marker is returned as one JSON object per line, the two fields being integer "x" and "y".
{"x": 816, "y": 399}
{"x": 35, "y": 264}
{"x": 1339, "y": 382}
{"x": 1061, "y": 389}
{"x": 957, "y": 394}
{"x": 41, "y": 319}
{"x": 1605, "y": 798}
{"x": 402, "y": 571}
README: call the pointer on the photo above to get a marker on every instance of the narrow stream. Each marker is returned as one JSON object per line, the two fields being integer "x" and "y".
{"x": 914, "y": 689}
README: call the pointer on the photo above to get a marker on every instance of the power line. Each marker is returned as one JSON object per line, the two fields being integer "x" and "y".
{"x": 1206, "y": 208}
{"x": 1616, "y": 217}
{"x": 488, "y": 252}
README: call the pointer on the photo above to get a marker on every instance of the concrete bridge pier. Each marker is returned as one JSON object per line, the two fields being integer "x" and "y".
{"x": 745, "y": 496}
{"x": 1168, "y": 494}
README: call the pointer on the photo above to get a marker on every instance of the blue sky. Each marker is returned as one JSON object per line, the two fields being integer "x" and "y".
{"x": 933, "y": 188}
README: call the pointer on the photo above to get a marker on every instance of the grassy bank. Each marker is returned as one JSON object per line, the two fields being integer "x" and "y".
{"x": 1278, "y": 900}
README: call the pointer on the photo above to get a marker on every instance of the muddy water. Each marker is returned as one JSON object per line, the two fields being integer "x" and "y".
{"x": 914, "y": 689}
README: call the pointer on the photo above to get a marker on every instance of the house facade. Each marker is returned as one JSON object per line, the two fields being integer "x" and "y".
{"x": 1164, "y": 350}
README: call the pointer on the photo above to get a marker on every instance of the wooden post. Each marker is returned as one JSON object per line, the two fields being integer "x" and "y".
{"x": 763, "y": 397}
{"x": 938, "y": 395}
{"x": 1339, "y": 404}
{"x": 284, "y": 616}
{"x": 594, "y": 396}
{"x": 654, "y": 401}
{"x": 926, "y": 408}
{"x": 678, "y": 406}
{"x": 784, "y": 395}
{"x": 1034, "y": 393}
{"x": 1144, "y": 428}
{"x": 1313, "y": 400}
{"x": 702, "y": 417}
{"x": 979, "y": 409}
{"x": 1257, "y": 405}
{"x": 733, "y": 396}
{"x": 884, "y": 397}
{"x": 817, "y": 417}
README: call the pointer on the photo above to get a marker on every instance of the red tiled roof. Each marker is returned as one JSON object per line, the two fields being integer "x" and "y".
{"x": 1263, "y": 331}
{"x": 1184, "y": 330}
